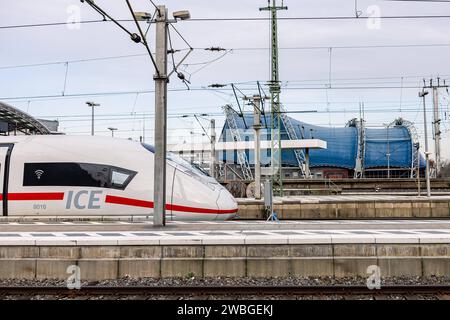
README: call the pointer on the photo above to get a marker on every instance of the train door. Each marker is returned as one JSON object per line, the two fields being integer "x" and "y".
{"x": 5, "y": 152}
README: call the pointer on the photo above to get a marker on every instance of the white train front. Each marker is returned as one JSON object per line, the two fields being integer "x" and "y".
{"x": 56, "y": 175}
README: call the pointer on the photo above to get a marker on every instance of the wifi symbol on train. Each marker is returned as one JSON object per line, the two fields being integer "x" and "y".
{"x": 39, "y": 173}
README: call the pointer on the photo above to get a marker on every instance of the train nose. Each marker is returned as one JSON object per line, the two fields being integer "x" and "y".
{"x": 227, "y": 205}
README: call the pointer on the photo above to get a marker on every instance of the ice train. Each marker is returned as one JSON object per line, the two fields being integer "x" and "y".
{"x": 63, "y": 175}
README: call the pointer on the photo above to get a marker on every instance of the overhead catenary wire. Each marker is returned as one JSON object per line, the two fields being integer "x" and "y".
{"x": 226, "y": 52}
{"x": 314, "y": 48}
{"x": 111, "y": 93}
{"x": 180, "y": 115}
{"x": 231, "y": 19}
{"x": 65, "y": 78}
{"x": 205, "y": 64}
{"x": 143, "y": 39}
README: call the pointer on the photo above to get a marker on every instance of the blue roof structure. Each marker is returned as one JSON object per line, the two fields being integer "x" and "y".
{"x": 342, "y": 144}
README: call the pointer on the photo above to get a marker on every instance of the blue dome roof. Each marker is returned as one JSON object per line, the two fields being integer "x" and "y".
{"x": 342, "y": 144}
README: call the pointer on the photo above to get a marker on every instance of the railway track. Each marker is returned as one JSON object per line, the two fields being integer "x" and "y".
{"x": 338, "y": 291}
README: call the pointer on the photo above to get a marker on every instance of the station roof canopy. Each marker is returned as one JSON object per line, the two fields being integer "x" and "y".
{"x": 17, "y": 120}
{"x": 248, "y": 145}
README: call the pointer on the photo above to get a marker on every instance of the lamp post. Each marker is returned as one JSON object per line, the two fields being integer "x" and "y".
{"x": 92, "y": 105}
{"x": 427, "y": 154}
{"x": 161, "y": 79}
{"x": 388, "y": 151}
{"x": 112, "y": 131}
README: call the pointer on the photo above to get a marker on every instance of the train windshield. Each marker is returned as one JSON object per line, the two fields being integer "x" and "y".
{"x": 186, "y": 165}
{"x": 179, "y": 161}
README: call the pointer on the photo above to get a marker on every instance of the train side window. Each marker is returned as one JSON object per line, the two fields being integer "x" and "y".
{"x": 121, "y": 178}
{"x": 76, "y": 174}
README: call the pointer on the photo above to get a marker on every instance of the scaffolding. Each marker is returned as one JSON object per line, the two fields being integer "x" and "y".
{"x": 361, "y": 150}
{"x": 235, "y": 135}
{"x": 415, "y": 154}
{"x": 292, "y": 135}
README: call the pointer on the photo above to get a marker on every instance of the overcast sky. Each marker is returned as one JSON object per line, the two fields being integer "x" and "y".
{"x": 304, "y": 71}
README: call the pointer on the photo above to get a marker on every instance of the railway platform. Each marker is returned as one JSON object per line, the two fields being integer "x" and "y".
{"x": 111, "y": 250}
{"x": 366, "y": 206}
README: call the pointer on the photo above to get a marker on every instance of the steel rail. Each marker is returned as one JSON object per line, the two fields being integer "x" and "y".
{"x": 346, "y": 290}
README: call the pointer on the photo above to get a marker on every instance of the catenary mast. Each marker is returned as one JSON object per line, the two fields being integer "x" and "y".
{"x": 274, "y": 86}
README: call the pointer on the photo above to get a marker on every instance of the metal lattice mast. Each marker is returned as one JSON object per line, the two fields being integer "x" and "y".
{"x": 292, "y": 134}
{"x": 274, "y": 86}
{"x": 436, "y": 122}
{"x": 414, "y": 144}
{"x": 235, "y": 135}
{"x": 360, "y": 157}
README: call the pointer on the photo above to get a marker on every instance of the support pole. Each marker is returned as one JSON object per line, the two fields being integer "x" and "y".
{"x": 418, "y": 171}
{"x": 213, "y": 149}
{"x": 388, "y": 154}
{"x": 436, "y": 121}
{"x": 92, "y": 121}
{"x": 427, "y": 154}
{"x": 161, "y": 79}
{"x": 274, "y": 89}
{"x": 307, "y": 169}
{"x": 437, "y": 129}
{"x": 92, "y": 105}
{"x": 257, "y": 128}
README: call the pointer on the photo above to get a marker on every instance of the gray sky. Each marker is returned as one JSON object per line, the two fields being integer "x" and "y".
{"x": 305, "y": 72}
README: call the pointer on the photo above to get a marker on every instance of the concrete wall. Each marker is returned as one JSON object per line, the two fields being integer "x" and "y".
{"x": 294, "y": 209}
{"x": 249, "y": 260}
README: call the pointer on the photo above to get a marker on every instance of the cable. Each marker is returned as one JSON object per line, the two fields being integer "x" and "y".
{"x": 134, "y": 107}
{"x": 49, "y": 24}
{"x": 205, "y": 64}
{"x": 210, "y": 61}
{"x": 181, "y": 115}
{"x": 156, "y": 7}
{"x": 65, "y": 78}
{"x": 203, "y": 89}
{"x": 317, "y": 18}
{"x": 345, "y": 47}
{"x": 181, "y": 36}
{"x": 104, "y": 14}
{"x": 73, "y": 61}
{"x": 175, "y": 67}
{"x": 229, "y": 50}
{"x": 142, "y": 40}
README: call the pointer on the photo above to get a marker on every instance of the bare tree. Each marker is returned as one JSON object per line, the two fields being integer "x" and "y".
{"x": 445, "y": 169}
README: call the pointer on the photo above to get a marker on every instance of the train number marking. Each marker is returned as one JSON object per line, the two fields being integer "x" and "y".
{"x": 83, "y": 199}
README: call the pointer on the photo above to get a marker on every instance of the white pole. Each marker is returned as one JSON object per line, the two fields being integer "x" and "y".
{"x": 257, "y": 128}
{"x": 213, "y": 149}
{"x": 437, "y": 129}
{"x": 427, "y": 172}
{"x": 159, "y": 182}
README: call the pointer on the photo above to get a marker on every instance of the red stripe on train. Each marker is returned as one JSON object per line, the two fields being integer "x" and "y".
{"x": 115, "y": 200}
{"x": 35, "y": 196}
{"x": 174, "y": 207}
{"x": 128, "y": 201}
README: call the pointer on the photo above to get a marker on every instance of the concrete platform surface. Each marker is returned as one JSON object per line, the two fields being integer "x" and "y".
{"x": 147, "y": 225}
{"x": 226, "y": 249}
{"x": 225, "y": 237}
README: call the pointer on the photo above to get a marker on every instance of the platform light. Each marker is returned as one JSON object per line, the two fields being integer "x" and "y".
{"x": 112, "y": 131}
{"x": 182, "y": 15}
{"x": 142, "y": 16}
{"x": 92, "y": 105}
{"x": 422, "y": 95}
